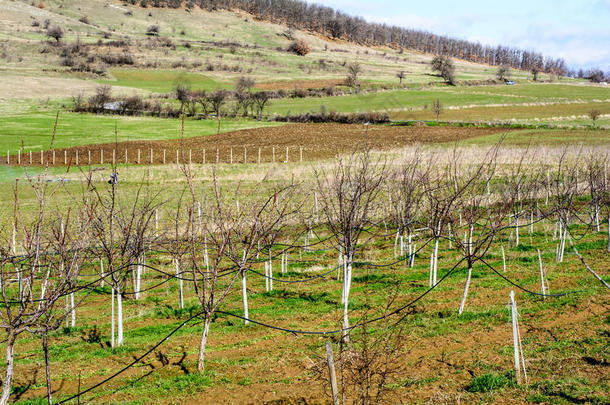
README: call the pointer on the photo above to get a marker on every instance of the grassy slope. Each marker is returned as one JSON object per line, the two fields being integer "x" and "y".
{"x": 35, "y": 129}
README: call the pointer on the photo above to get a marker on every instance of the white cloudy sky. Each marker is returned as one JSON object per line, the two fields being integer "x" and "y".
{"x": 576, "y": 30}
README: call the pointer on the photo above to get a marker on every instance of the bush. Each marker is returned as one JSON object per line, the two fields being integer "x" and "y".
{"x": 299, "y": 47}
{"x": 55, "y": 32}
{"x": 360, "y": 118}
{"x": 153, "y": 31}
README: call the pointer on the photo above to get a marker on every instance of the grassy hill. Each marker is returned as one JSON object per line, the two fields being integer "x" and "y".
{"x": 211, "y": 50}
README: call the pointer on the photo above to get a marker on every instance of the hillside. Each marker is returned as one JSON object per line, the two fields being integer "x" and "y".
{"x": 107, "y": 43}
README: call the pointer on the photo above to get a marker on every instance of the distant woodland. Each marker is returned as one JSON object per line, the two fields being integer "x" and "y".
{"x": 338, "y": 25}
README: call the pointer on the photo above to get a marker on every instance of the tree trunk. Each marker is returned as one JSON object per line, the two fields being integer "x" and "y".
{"x": 463, "y": 302}
{"x": 204, "y": 339}
{"x": 8, "y": 375}
{"x": 608, "y": 233}
{"x": 73, "y": 310}
{"x": 244, "y": 293}
{"x": 435, "y": 262}
{"x": 112, "y": 319}
{"x": 45, "y": 348}
{"x": 119, "y": 300}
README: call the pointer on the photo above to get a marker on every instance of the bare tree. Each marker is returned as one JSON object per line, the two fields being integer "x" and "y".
{"x": 261, "y": 100}
{"x": 594, "y": 115}
{"x": 401, "y": 76}
{"x": 353, "y": 70}
{"x": 445, "y": 68}
{"x": 437, "y": 108}
{"x": 234, "y": 232}
{"x": 217, "y": 100}
{"x": 503, "y": 73}
{"x": 347, "y": 196}
{"x": 55, "y": 32}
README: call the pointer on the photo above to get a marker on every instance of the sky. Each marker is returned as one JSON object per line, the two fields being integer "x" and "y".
{"x": 575, "y": 30}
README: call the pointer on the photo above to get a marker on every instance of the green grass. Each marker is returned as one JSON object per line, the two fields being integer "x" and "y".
{"x": 390, "y": 100}
{"x": 161, "y": 81}
{"x": 35, "y": 129}
{"x": 534, "y": 137}
{"x": 491, "y": 382}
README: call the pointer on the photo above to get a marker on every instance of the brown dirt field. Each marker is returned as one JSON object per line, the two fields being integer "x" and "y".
{"x": 318, "y": 141}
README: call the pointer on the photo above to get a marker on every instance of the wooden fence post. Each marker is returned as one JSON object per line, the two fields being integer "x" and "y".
{"x": 286, "y": 155}
{"x": 113, "y": 157}
{"x": 31, "y": 157}
{"x": 53, "y": 156}
{"x": 163, "y": 156}
{"x": 245, "y": 155}
{"x": 8, "y": 157}
{"x": 138, "y": 156}
{"x": 203, "y": 157}
{"x": 259, "y": 155}
{"x": 332, "y": 374}
{"x": 301, "y": 154}
{"x": 231, "y": 155}
{"x": 273, "y": 154}
{"x": 76, "y": 157}
{"x": 65, "y": 157}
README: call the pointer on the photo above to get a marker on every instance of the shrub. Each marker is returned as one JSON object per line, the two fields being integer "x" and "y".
{"x": 55, "y": 32}
{"x": 153, "y": 31}
{"x": 299, "y": 47}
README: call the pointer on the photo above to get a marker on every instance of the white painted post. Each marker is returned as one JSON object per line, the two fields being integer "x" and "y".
{"x": 8, "y": 157}
{"x": 89, "y": 157}
{"x": 138, "y": 156}
{"x": 163, "y": 156}
{"x": 65, "y": 157}
{"x": 517, "y": 349}
{"x": 112, "y": 317}
{"x": 273, "y": 154}
{"x": 102, "y": 273}
{"x": 31, "y": 156}
{"x": 231, "y": 156}
{"x": 41, "y": 157}
{"x": 204, "y": 156}
{"x": 177, "y": 157}
{"x": 152, "y": 156}
{"x": 190, "y": 157}
{"x": 76, "y": 157}
{"x": 53, "y": 157}
{"x": 101, "y": 156}
{"x": 113, "y": 157}
{"x": 543, "y": 289}
{"x": 286, "y": 155}
{"x": 245, "y": 296}
{"x": 301, "y": 154}
{"x": 126, "y": 157}
{"x": 18, "y": 156}
{"x": 259, "y": 155}
{"x": 503, "y": 258}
